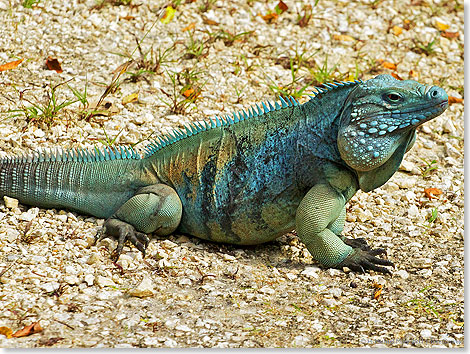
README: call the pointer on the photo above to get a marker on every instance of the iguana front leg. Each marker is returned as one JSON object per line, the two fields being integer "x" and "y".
{"x": 155, "y": 208}
{"x": 319, "y": 221}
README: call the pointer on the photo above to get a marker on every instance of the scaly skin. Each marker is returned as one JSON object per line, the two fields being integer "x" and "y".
{"x": 249, "y": 178}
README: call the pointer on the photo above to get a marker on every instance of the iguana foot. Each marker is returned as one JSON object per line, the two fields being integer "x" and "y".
{"x": 361, "y": 260}
{"x": 122, "y": 232}
{"x": 357, "y": 243}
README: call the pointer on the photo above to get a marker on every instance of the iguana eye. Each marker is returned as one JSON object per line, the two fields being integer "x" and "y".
{"x": 393, "y": 97}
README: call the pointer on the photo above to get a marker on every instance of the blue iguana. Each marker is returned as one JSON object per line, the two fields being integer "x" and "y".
{"x": 247, "y": 178}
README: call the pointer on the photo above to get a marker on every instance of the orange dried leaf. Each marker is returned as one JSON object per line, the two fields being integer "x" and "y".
{"x": 396, "y": 76}
{"x": 6, "y": 331}
{"x": 388, "y": 65}
{"x": 413, "y": 73}
{"x": 10, "y": 65}
{"x": 343, "y": 37}
{"x": 397, "y": 30}
{"x": 441, "y": 26}
{"x": 34, "y": 327}
{"x": 453, "y": 99}
{"x": 128, "y": 17}
{"x": 188, "y": 92}
{"x": 270, "y": 17}
{"x": 450, "y": 35}
{"x": 407, "y": 24}
{"x": 53, "y": 64}
{"x": 189, "y": 27}
{"x": 378, "y": 292}
{"x": 432, "y": 192}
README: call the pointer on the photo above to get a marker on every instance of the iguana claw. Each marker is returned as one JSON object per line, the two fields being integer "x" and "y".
{"x": 361, "y": 260}
{"x": 122, "y": 232}
{"x": 357, "y": 243}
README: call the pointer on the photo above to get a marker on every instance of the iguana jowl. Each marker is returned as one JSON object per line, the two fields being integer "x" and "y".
{"x": 247, "y": 178}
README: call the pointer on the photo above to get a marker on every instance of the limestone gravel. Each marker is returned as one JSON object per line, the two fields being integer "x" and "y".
{"x": 192, "y": 293}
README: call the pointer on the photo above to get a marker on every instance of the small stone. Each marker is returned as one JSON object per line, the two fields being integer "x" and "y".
{"x": 300, "y": 341}
{"x": 364, "y": 215}
{"x": 329, "y": 302}
{"x": 185, "y": 281}
{"x": 103, "y": 281}
{"x": 72, "y": 280}
{"x": 93, "y": 258}
{"x": 171, "y": 323}
{"x": 144, "y": 289}
{"x": 171, "y": 343}
{"x": 183, "y": 328}
{"x": 413, "y": 211}
{"x": 229, "y": 258}
{"x": 10, "y": 203}
{"x": 267, "y": 290}
{"x": 168, "y": 244}
{"x": 38, "y": 133}
{"x": 61, "y": 217}
{"x": 403, "y": 274}
{"x": 124, "y": 261}
{"x": 89, "y": 279}
{"x": 311, "y": 272}
{"x": 425, "y": 333}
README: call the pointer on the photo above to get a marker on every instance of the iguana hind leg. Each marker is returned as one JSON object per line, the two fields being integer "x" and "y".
{"x": 319, "y": 221}
{"x": 156, "y": 208}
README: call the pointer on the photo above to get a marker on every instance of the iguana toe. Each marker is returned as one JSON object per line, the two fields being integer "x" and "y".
{"x": 357, "y": 243}
{"x": 360, "y": 261}
{"x": 122, "y": 232}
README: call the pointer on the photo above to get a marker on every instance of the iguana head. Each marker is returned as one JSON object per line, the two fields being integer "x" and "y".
{"x": 378, "y": 125}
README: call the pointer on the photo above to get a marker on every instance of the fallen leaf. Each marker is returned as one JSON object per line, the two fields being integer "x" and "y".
{"x": 413, "y": 73}
{"x": 343, "y": 37}
{"x": 49, "y": 342}
{"x": 388, "y": 65}
{"x": 270, "y": 17}
{"x": 53, "y": 64}
{"x": 168, "y": 16}
{"x": 396, "y": 76}
{"x": 189, "y": 27}
{"x": 432, "y": 192}
{"x": 441, "y": 26}
{"x": 188, "y": 92}
{"x": 34, "y": 327}
{"x": 453, "y": 99}
{"x": 450, "y": 35}
{"x": 397, "y": 30}
{"x": 407, "y": 24}
{"x": 208, "y": 21}
{"x": 281, "y": 7}
{"x": 130, "y": 98}
{"x": 378, "y": 292}
{"x": 10, "y": 65}
{"x": 128, "y": 17}
{"x": 6, "y": 331}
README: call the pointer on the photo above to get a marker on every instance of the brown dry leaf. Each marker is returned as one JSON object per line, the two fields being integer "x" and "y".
{"x": 413, "y": 73}
{"x": 378, "y": 292}
{"x": 441, "y": 26}
{"x": 209, "y": 22}
{"x": 10, "y": 65}
{"x": 453, "y": 99}
{"x": 34, "y": 327}
{"x": 281, "y": 7}
{"x": 304, "y": 20}
{"x": 388, "y": 65}
{"x": 128, "y": 17}
{"x": 133, "y": 97}
{"x": 432, "y": 192}
{"x": 6, "y": 331}
{"x": 407, "y": 24}
{"x": 343, "y": 37}
{"x": 188, "y": 92}
{"x": 189, "y": 27}
{"x": 270, "y": 17}
{"x": 396, "y": 76}
{"x": 397, "y": 30}
{"x": 53, "y": 64}
{"x": 450, "y": 35}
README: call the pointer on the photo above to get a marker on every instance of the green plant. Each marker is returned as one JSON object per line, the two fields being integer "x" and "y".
{"x": 430, "y": 166}
{"x": 322, "y": 73}
{"x": 194, "y": 47}
{"x": 110, "y": 141}
{"x": 227, "y": 37}
{"x": 42, "y": 111}
{"x": 175, "y": 103}
{"x": 206, "y": 5}
{"x": 433, "y": 216}
{"x": 28, "y": 4}
{"x": 425, "y": 48}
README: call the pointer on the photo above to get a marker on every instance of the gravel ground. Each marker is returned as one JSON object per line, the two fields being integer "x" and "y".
{"x": 192, "y": 293}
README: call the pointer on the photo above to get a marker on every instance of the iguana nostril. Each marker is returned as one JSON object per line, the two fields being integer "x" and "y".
{"x": 436, "y": 92}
